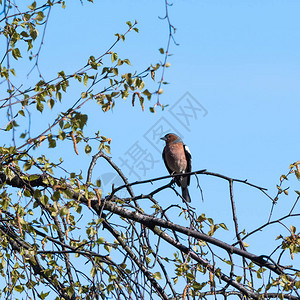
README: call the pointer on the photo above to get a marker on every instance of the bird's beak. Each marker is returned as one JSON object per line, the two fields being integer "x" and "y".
{"x": 163, "y": 138}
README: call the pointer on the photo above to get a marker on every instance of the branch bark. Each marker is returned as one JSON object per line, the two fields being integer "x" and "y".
{"x": 155, "y": 224}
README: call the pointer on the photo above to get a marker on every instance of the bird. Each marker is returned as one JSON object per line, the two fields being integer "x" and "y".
{"x": 177, "y": 158}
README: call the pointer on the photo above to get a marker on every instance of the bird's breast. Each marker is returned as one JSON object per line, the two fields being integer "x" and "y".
{"x": 175, "y": 158}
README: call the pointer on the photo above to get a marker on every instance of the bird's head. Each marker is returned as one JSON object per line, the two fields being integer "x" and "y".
{"x": 171, "y": 138}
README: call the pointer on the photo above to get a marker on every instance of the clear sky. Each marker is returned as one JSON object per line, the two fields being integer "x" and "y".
{"x": 238, "y": 60}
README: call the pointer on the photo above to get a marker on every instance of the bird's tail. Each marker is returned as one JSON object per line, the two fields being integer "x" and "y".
{"x": 185, "y": 194}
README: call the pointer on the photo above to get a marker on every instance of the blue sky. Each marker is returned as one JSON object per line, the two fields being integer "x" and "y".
{"x": 240, "y": 60}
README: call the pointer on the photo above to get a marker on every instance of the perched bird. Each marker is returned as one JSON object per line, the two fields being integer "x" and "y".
{"x": 177, "y": 158}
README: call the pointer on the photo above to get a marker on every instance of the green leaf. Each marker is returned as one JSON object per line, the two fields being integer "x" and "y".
{"x": 142, "y": 85}
{"x": 126, "y": 61}
{"x": 27, "y": 193}
{"x": 51, "y": 103}
{"x": 44, "y": 295}
{"x": 9, "y": 126}
{"x": 210, "y": 220}
{"x": 21, "y": 112}
{"x": 107, "y": 248}
{"x": 107, "y": 149}
{"x": 40, "y": 106}
{"x": 27, "y": 166}
{"x": 115, "y": 71}
{"x": 44, "y": 200}
{"x": 19, "y": 288}
{"x": 40, "y": 16}
{"x": 32, "y": 6}
{"x": 70, "y": 291}
{"x": 56, "y": 196}
{"x": 64, "y": 211}
{"x": 223, "y": 226}
{"x": 16, "y": 53}
{"x": 33, "y": 177}
{"x": 37, "y": 194}
{"x": 157, "y": 275}
{"x": 93, "y": 272}
{"x": 128, "y": 78}
{"x": 34, "y": 33}
{"x": 52, "y": 142}
{"x": 114, "y": 57}
{"x": 85, "y": 79}
{"x": 88, "y": 149}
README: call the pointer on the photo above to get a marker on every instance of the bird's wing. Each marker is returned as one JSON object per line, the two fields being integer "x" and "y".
{"x": 189, "y": 161}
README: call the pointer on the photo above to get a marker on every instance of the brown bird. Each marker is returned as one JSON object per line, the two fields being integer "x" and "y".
{"x": 177, "y": 158}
